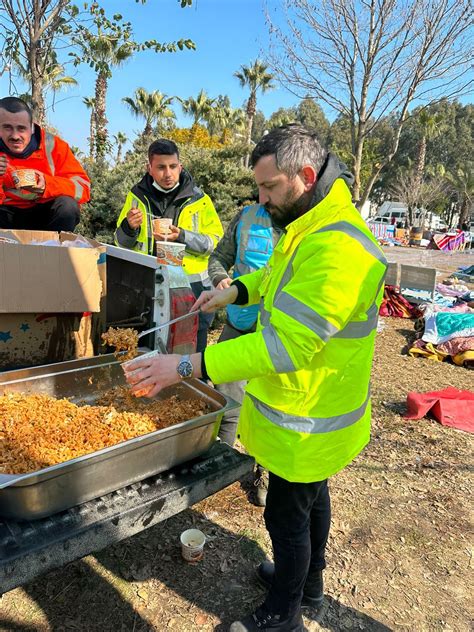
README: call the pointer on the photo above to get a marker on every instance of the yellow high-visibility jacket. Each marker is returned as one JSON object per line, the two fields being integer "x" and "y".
{"x": 306, "y": 412}
{"x": 196, "y": 214}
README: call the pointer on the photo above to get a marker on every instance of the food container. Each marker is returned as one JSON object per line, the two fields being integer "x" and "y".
{"x": 192, "y": 545}
{"x": 58, "y": 487}
{"x": 24, "y": 178}
{"x": 162, "y": 225}
{"x": 169, "y": 253}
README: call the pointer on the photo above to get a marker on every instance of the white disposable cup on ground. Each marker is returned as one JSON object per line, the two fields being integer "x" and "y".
{"x": 192, "y": 545}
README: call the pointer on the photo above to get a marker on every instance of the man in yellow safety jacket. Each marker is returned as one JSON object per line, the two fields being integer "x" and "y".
{"x": 168, "y": 191}
{"x": 306, "y": 412}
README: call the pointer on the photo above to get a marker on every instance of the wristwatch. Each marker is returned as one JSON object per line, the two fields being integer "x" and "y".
{"x": 185, "y": 367}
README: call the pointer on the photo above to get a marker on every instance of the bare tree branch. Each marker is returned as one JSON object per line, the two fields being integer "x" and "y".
{"x": 370, "y": 59}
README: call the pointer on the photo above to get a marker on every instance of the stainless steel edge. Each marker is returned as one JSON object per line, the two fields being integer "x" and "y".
{"x": 52, "y": 489}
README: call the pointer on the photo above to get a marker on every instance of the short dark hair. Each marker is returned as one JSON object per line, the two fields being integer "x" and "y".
{"x": 293, "y": 146}
{"x": 15, "y": 105}
{"x": 162, "y": 147}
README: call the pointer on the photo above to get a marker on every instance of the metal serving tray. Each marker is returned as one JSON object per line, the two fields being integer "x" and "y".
{"x": 58, "y": 487}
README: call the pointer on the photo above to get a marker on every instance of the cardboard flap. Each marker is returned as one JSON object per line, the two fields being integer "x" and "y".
{"x": 49, "y": 278}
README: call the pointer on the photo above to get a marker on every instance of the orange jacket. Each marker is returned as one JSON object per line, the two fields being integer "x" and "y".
{"x": 63, "y": 175}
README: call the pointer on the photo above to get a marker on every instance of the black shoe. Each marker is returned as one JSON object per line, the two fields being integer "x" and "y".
{"x": 261, "y": 486}
{"x": 313, "y": 595}
{"x": 262, "y": 620}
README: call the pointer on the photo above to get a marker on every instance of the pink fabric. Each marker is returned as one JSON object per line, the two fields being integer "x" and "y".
{"x": 450, "y": 406}
{"x": 457, "y": 345}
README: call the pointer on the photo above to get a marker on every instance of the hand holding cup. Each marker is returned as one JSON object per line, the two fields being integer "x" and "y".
{"x": 163, "y": 229}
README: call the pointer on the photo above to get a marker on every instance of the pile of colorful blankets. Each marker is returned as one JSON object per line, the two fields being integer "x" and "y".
{"x": 394, "y": 304}
{"x": 447, "y": 242}
{"x": 446, "y": 332}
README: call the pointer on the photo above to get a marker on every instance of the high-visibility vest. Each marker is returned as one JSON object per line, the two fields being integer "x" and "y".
{"x": 198, "y": 215}
{"x": 63, "y": 174}
{"x": 254, "y": 246}
{"x": 306, "y": 411}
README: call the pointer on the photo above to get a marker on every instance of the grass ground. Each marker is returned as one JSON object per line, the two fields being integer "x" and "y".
{"x": 399, "y": 557}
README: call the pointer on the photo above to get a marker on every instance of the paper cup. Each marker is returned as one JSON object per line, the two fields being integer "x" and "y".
{"x": 24, "y": 178}
{"x": 169, "y": 253}
{"x": 162, "y": 225}
{"x": 192, "y": 545}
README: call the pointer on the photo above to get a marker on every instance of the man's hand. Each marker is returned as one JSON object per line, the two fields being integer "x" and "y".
{"x": 213, "y": 299}
{"x": 172, "y": 235}
{"x": 40, "y": 185}
{"x": 224, "y": 284}
{"x": 134, "y": 218}
{"x": 153, "y": 374}
{"x": 3, "y": 164}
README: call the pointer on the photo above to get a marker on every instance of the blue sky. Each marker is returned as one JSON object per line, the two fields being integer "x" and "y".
{"x": 227, "y": 34}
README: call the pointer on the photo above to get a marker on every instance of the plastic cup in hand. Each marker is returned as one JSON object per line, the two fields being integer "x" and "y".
{"x": 192, "y": 545}
{"x": 24, "y": 178}
{"x": 162, "y": 225}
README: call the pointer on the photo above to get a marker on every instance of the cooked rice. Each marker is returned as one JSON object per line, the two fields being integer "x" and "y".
{"x": 122, "y": 340}
{"x": 37, "y": 430}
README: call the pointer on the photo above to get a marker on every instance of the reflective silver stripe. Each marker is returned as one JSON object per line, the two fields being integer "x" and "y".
{"x": 264, "y": 315}
{"x": 199, "y": 276}
{"x": 210, "y": 247}
{"x": 79, "y": 184}
{"x": 195, "y": 221}
{"x": 363, "y": 328}
{"x": 365, "y": 241}
{"x": 16, "y": 193}
{"x": 291, "y": 306}
{"x": 49, "y": 146}
{"x": 310, "y": 425}
{"x": 276, "y": 349}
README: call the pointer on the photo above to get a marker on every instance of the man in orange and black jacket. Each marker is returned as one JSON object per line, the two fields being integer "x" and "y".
{"x": 53, "y": 201}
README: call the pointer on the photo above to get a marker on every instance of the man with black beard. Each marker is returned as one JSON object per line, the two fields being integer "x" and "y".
{"x": 306, "y": 411}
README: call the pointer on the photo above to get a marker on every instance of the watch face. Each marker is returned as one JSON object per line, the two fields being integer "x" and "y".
{"x": 185, "y": 368}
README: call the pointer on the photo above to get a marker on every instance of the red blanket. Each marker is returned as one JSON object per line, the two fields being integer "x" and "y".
{"x": 451, "y": 407}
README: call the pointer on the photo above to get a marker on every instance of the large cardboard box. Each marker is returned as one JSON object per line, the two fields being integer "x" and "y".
{"x": 50, "y": 278}
{"x": 52, "y": 298}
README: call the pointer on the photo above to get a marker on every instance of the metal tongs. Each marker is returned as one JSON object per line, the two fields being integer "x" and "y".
{"x": 170, "y": 322}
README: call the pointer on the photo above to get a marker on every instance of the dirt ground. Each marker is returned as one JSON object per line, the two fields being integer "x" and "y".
{"x": 399, "y": 557}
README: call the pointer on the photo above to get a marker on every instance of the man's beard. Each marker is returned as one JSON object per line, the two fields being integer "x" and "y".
{"x": 289, "y": 210}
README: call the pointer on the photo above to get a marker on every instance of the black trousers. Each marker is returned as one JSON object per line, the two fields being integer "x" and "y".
{"x": 297, "y": 517}
{"x": 62, "y": 213}
{"x": 205, "y": 320}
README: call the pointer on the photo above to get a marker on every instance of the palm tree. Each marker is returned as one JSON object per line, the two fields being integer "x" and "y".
{"x": 120, "y": 139}
{"x": 430, "y": 126}
{"x": 198, "y": 108}
{"x": 256, "y": 78}
{"x": 152, "y": 106}
{"x": 89, "y": 102}
{"x": 103, "y": 51}
{"x": 53, "y": 78}
{"x": 462, "y": 181}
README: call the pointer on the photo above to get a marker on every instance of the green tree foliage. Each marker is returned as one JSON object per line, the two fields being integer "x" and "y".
{"x": 257, "y": 78}
{"x": 446, "y": 154}
{"x": 217, "y": 171}
{"x": 310, "y": 114}
{"x": 259, "y": 126}
{"x": 198, "y": 108}
{"x": 153, "y": 107}
{"x": 105, "y": 44}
